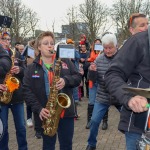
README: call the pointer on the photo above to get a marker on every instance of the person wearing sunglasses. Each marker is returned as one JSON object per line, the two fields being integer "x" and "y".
{"x": 137, "y": 22}
{"x": 131, "y": 64}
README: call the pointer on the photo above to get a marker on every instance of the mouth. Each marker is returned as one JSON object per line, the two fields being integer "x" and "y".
{"x": 51, "y": 51}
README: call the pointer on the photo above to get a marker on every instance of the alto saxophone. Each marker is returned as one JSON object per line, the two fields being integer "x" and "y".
{"x": 56, "y": 104}
{"x": 11, "y": 83}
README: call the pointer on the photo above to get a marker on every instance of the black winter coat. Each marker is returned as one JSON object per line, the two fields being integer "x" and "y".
{"x": 34, "y": 88}
{"x": 132, "y": 63}
{"x": 5, "y": 64}
{"x": 17, "y": 94}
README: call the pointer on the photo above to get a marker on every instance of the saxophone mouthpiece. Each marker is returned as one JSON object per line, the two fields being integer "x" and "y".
{"x": 51, "y": 51}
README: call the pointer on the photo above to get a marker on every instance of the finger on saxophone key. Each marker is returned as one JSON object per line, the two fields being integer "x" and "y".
{"x": 44, "y": 114}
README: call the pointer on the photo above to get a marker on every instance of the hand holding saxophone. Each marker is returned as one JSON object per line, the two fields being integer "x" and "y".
{"x": 3, "y": 88}
{"x": 44, "y": 114}
{"x": 60, "y": 84}
{"x": 15, "y": 70}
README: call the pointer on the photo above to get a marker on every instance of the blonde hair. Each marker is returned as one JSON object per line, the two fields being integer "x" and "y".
{"x": 41, "y": 36}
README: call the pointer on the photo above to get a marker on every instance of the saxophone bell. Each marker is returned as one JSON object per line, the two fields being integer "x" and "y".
{"x": 11, "y": 82}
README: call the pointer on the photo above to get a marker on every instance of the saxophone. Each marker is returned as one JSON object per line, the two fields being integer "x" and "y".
{"x": 56, "y": 104}
{"x": 11, "y": 83}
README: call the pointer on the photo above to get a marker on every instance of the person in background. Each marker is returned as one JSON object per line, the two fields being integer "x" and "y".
{"x": 102, "y": 102}
{"x": 16, "y": 45}
{"x": 41, "y": 72}
{"x": 17, "y": 103}
{"x": 84, "y": 41}
{"x": 20, "y": 49}
{"x": 84, "y": 55}
{"x": 76, "y": 63}
{"x": 35, "y": 120}
{"x": 92, "y": 84}
{"x": 131, "y": 65}
{"x": 93, "y": 88}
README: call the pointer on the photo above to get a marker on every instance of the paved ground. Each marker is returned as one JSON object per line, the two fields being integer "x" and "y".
{"x": 110, "y": 139}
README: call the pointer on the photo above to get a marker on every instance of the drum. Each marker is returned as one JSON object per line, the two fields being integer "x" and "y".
{"x": 1, "y": 129}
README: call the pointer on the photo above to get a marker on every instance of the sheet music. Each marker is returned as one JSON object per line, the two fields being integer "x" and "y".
{"x": 139, "y": 91}
{"x": 66, "y": 53}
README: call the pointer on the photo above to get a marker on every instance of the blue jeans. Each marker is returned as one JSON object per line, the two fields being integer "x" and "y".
{"x": 92, "y": 94}
{"x": 65, "y": 135}
{"x": 97, "y": 116}
{"x": 75, "y": 94}
{"x": 19, "y": 121}
{"x": 131, "y": 140}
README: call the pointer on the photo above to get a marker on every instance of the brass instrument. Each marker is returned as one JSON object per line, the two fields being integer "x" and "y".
{"x": 56, "y": 104}
{"x": 11, "y": 83}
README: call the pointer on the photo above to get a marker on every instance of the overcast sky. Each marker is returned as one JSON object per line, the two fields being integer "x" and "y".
{"x": 50, "y": 10}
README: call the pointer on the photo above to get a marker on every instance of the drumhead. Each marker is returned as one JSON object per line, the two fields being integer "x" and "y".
{"x": 1, "y": 129}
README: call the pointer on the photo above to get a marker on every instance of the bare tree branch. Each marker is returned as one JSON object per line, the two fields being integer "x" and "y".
{"x": 24, "y": 20}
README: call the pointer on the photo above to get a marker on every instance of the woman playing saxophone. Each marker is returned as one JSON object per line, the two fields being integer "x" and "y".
{"x": 39, "y": 89}
{"x": 16, "y": 103}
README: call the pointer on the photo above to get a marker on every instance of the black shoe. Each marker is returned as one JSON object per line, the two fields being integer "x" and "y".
{"x": 88, "y": 125}
{"x": 90, "y": 148}
{"x": 38, "y": 135}
{"x": 104, "y": 126}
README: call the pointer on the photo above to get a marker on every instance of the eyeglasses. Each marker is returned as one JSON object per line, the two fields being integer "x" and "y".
{"x": 5, "y": 39}
{"x": 133, "y": 16}
{"x": 47, "y": 43}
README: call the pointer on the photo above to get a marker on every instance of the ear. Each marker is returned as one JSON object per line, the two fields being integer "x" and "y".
{"x": 39, "y": 48}
{"x": 131, "y": 30}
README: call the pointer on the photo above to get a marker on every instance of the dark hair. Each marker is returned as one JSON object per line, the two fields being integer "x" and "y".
{"x": 131, "y": 22}
{"x": 97, "y": 40}
{"x": 17, "y": 43}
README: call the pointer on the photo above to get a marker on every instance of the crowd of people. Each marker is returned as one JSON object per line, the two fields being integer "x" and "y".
{"x": 99, "y": 71}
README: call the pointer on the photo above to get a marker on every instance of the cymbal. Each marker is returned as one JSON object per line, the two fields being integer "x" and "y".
{"x": 139, "y": 91}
